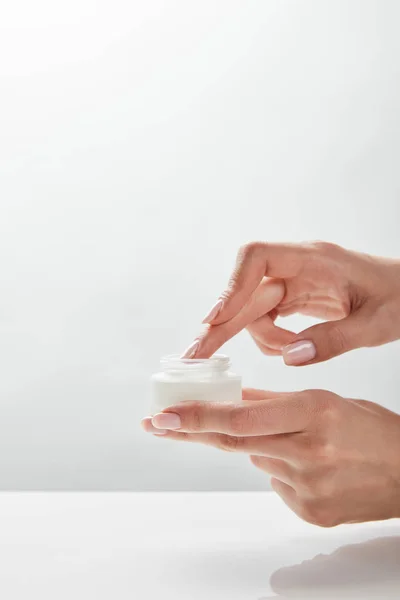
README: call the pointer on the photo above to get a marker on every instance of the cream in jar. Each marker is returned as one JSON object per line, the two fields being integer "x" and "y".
{"x": 207, "y": 379}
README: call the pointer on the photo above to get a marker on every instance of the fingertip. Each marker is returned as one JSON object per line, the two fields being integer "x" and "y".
{"x": 148, "y": 427}
{"x": 191, "y": 351}
{"x": 144, "y": 423}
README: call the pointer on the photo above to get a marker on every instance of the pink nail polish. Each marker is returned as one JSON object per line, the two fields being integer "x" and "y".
{"x": 214, "y": 312}
{"x": 166, "y": 421}
{"x": 299, "y": 353}
{"x": 191, "y": 351}
{"x": 149, "y": 427}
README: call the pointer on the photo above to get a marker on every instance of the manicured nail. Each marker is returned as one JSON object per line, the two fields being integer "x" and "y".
{"x": 191, "y": 351}
{"x": 149, "y": 428}
{"x": 166, "y": 421}
{"x": 216, "y": 309}
{"x": 299, "y": 353}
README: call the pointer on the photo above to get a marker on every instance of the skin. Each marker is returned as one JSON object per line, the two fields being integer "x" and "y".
{"x": 332, "y": 460}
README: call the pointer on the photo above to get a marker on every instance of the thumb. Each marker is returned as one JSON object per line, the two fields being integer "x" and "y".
{"x": 327, "y": 340}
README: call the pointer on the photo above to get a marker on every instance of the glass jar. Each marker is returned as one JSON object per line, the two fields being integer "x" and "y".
{"x": 205, "y": 379}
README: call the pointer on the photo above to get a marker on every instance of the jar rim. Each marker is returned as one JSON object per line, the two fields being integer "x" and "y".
{"x": 217, "y": 362}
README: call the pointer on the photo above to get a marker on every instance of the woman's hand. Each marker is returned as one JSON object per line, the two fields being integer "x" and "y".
{"x": 356, "y": 294}
{"x": 331, "y": 459}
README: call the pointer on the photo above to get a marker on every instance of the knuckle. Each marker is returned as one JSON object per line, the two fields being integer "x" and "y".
{"x": 215, "y": 336}
{"x": 245, "y": 255}
{"x": 327, "y": 453}
{"x": 313, "y": 401}
{"x": 195, "y": 417}
{"x": 331, "y": 412}
{"x": 251, "y": 248}
{"x": 326, "y": 248}
{"x": 323, "y": 398}
{"x": 241, "y": 420}
{"x": 325, "y": 404}
{"x": 325, "y": 412}
{"x": 230, "y": 443}
{"x": 311, "y": 397}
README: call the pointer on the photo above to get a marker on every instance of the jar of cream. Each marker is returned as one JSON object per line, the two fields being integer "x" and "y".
{"x": 205, "y": 379}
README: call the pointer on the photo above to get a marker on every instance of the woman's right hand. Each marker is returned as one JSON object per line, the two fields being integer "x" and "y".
{"x": 357, "y": 295}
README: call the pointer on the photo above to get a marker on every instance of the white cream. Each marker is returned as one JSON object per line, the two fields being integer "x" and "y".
{"x": 208, "y": 380}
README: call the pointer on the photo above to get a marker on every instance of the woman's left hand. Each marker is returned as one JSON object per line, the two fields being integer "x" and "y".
{"x": 332, "y": 460}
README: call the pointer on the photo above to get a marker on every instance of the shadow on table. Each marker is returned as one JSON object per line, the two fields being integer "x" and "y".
{"x": 367, "y": 570}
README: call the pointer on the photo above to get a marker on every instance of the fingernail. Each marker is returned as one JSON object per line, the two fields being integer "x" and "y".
{"x": 216, "y": 309}
{"x": 299, "y": 353}
{"x": 191, "y": 351}
{"x": 149, "y": 428}
{"x": 166, "y": 421}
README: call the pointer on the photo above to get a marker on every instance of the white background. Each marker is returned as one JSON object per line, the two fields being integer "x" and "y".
{"x": 140, "y": 144}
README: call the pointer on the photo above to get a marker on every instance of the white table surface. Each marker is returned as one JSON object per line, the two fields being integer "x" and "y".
{"x": 189, "y": 546}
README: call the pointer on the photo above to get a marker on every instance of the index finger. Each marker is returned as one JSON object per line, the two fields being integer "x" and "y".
{"x": 268, "y": 295}
{"x": 254, "y": 394}
{"x": 290, "y": 413}
{"x": 255, "y": 261}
